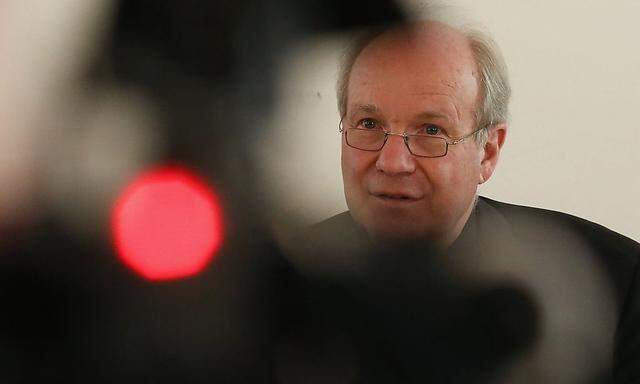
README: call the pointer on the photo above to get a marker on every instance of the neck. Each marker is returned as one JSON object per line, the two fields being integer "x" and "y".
{"x": 452, "y": 235}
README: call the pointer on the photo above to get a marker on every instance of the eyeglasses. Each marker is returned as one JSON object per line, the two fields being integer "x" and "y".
{"x": 418, "y": 145}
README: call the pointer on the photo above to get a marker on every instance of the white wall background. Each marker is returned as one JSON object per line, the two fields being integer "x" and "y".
{"x": 573, "y": 144}
{"x": 574, "y": 138}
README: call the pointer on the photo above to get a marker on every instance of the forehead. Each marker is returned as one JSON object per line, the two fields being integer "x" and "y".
{"x": 425, "y": 66}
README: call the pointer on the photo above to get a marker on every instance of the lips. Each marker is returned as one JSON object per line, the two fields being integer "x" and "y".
{"x": 396, "y": 196}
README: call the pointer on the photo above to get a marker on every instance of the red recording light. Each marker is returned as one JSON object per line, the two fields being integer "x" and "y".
{"x": 167, "y": 224}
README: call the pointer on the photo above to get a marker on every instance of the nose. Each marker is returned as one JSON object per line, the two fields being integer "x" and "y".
{"x": 394, "y": 158}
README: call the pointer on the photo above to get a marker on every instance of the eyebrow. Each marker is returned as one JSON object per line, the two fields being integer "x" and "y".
{"x": 432, "y": 115}
{"x": 372, "y": 108}
{"x": 366, "y": 108}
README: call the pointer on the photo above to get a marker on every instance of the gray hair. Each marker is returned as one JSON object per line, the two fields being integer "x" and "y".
{"x": 493, "y": 81}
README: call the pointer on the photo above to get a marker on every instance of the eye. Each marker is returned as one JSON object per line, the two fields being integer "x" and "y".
{"x": 368, "y": 123}
{"x": 431, "y": 129}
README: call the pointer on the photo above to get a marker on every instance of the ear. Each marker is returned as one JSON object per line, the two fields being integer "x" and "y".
{"x": 496, "y": 135}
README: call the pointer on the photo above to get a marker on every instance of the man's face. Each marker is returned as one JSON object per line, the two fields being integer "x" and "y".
{"x": 422, "y": 82}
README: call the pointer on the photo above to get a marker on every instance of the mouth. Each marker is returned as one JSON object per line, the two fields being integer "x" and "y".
{"x": 395, "y": 197}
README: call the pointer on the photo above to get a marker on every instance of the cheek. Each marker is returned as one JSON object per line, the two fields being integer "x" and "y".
{"x": 452, "y": 176}
{"x": 354, "y": 164}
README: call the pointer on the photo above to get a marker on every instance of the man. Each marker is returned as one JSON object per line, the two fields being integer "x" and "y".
{"x": 422, "y": 81}
{"x": 423, "y": 120}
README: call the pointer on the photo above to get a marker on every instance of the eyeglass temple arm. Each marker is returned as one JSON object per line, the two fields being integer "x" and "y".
{"x": 460, "y": 140}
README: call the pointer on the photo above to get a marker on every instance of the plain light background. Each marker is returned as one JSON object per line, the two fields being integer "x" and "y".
{"x": 574, "y": 136}
{"x": 574, "y": 133}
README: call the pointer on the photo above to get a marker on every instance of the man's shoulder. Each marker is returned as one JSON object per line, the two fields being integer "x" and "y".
{"x": 339, "y": 228}
{"x": 545, "y": 230}
{"x": 593, "y": 232}
{"x": 343, "y": 218}
{"x": 551, "y": 234}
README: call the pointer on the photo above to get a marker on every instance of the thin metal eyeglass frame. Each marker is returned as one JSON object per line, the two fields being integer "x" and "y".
{"x": 406, "y": 138}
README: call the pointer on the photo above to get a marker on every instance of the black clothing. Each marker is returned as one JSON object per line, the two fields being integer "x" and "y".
{"x": 524, "y": 294}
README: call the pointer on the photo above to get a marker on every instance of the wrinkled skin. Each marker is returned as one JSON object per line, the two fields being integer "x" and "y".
{"x": 407, "y": 81}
